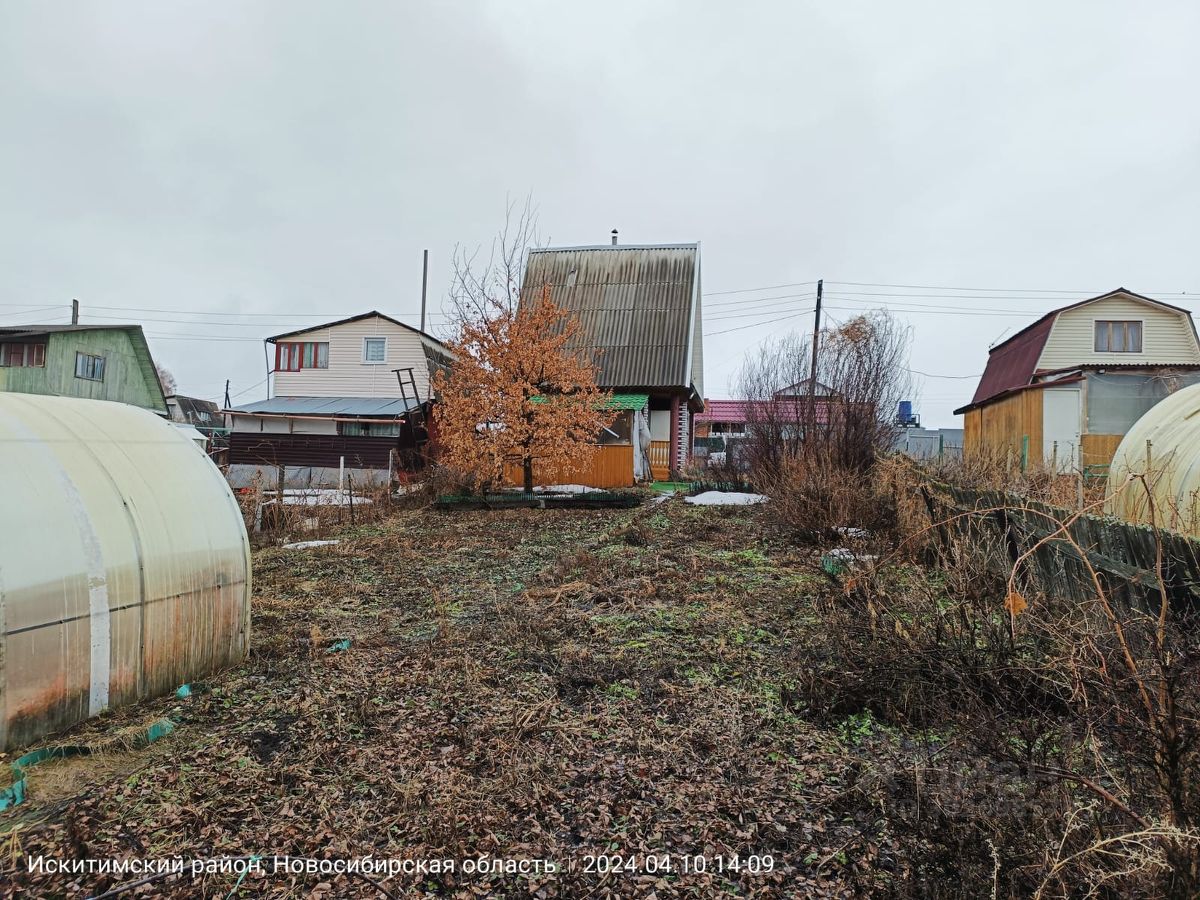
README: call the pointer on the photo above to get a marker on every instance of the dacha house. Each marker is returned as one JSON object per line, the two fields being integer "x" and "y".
{"x": 1065, "y": 389}
{"x": 640, "y": 320}
{"x": 351, "y": 394}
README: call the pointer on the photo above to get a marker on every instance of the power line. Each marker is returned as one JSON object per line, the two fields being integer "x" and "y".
{"x": 936, "y": 287}
{"x": 758, "y": 324}
{"x": 751, "y": 300}
{"x": 943, "y": 312}
{"x": 930, "y": 375}
{"x": 770, "y": 287}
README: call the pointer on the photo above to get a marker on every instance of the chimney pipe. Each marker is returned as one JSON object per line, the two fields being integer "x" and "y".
{"x": 614, "y": 234}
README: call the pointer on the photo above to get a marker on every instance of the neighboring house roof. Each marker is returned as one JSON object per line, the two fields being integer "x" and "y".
{"x": 1012, "y": 364}
{"x": 638, "y": 305}
{"x": 137, "y": 338}
{"x": 349, "y": 407}
{"x": 722, "y": 411}
{"x": 367, "y": 315}
{"x": 196, "y": 411}
{"x": 741, "y": 411}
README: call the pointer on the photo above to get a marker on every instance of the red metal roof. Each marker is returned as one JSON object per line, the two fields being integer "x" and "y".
{"x": 1012, "y": 364}
{"x": 739, "y": 411}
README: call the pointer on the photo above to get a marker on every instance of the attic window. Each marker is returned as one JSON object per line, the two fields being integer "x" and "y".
{"x": 1118, "y": 337}
{"x": 22, "y": 355}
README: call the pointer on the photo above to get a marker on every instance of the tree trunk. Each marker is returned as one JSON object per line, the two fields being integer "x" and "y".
{"x": 527, "y": 465}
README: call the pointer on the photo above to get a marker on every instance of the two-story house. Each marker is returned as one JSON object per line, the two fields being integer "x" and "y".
{"x": 351, "y": 394}
{"x": 95, "y": 362}
{"x": 639, "y": 311}
{"x": 1064, "y": 390}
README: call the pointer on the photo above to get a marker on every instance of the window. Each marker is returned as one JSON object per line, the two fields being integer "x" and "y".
{"x": 374, "y": 350}
{"x": 89, "y": 367}
{"x": 22, "y": 355}
{"x": 368, "y": 429}
{"x": 296, "y": 355}
{"x": 1118, "y": 337}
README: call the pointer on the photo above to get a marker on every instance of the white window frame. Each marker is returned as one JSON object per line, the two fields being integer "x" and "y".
{"x": 1141, "y": 323}
{"x": 375, "y": 362}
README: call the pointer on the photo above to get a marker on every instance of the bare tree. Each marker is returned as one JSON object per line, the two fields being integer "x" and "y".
{"x": 861, "y": 377}
{"x": 165, "y": 378}
{"x": 485, "y": 287}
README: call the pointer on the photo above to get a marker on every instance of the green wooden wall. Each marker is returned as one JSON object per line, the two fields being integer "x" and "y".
{"x": 128, "y": 374}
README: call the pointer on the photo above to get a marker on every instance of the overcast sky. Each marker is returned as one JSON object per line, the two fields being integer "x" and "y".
{"x": 290, "y": 160}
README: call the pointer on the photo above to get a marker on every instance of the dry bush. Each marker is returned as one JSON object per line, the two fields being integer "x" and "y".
{"x": 1064, "y": 733}
{"x": 815, "y": 496}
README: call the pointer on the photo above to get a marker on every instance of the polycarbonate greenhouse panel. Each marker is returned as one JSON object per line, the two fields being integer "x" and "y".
{"x": 124, "y": 562}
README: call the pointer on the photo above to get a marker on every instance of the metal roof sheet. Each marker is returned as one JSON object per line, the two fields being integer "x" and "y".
{"x": 635, "y": 306}
{"x": 329, "y": 406}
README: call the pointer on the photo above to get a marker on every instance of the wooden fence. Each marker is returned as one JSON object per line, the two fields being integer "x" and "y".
{"x": 1122, "y": 554}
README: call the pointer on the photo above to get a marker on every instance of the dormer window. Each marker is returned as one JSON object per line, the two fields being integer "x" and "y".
{"x": 1118, "y": 337}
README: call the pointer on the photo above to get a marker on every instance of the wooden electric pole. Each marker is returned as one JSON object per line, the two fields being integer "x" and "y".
{"x": 424, "y": 285}
{"x": 812, "y": 373}
{"x": 74, "y": 312}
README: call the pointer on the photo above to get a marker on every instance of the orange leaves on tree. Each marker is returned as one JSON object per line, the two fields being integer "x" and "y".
{"x": 517, "y": 395}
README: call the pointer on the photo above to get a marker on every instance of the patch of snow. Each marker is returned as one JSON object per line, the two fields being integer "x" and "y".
{"x": 304, "y": 545}
{"x": 564, "y": 489}
{"x": 852, "y": 532}
{"x": 725, "y": 498}
{"x": 318, "y": 497}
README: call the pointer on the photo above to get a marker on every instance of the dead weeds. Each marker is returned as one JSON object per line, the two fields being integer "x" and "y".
{"x": 539, "y": 684}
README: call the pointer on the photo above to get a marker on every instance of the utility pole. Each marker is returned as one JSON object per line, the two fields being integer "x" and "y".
{"x": 74, "y": 312}
{"x": 812, "y": 375}
{"x": 227, "y": 404}
{"x": 424, "y": 286}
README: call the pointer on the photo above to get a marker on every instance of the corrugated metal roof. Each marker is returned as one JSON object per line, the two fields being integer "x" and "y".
{"x": 1012, "y": 364}
{"x": 329, "y": 406}
{"x": 741, "y": 411}
{"x": 635, "y": 306}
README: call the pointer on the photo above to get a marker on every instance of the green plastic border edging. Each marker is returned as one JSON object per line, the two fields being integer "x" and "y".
{"x": 15, "y": 795}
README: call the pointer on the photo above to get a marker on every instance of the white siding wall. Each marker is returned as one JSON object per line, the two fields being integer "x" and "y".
{"x": 348, "y": 375}
{"x": 1167, "y": 336}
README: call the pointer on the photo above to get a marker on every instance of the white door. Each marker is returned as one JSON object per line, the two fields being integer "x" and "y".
{"x": 1060, "y": 426}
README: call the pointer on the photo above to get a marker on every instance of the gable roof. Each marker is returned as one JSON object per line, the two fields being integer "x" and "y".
{"x": 636, "y": 304}
{"x": 1012, "y": 363}
{"x": 346, "y": 321}
{"x": 137, "y": 338}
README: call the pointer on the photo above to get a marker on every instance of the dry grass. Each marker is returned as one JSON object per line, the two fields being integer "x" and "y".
{"x": 527, "y": 684}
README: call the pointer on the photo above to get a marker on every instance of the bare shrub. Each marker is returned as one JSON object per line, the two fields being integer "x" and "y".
{"x": 813, "y": 445}
{"x": 1066, "y": 733}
